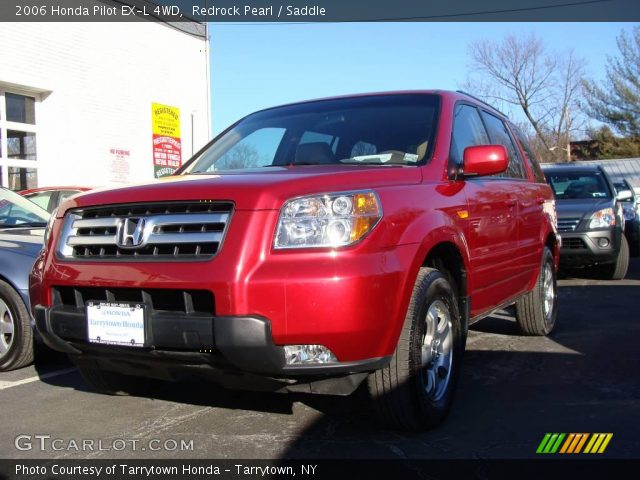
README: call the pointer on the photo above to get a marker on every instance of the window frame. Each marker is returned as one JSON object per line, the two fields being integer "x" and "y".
{"x": 454, "y": 168}
{"x": 6, "y": 125}
{"x": 514, "y": 144}
{"x": 532, "y": 162}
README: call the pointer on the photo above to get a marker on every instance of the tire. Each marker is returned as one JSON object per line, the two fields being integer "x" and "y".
{"x": 16, "y": 333}
{"x": 634, "y": 246}
{"x": 416, "y": 390}
{"x": 536, "y": 312}
{"x": 618, "y": 270}
{"x": 110, "y": 383}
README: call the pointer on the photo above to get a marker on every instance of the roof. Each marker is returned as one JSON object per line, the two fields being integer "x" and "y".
{"x": 458, "y": 95}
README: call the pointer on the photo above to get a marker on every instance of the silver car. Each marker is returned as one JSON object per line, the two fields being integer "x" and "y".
{"x": 22, "y": 225}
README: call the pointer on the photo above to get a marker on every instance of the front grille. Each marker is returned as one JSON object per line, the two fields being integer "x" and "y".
{"x": 568, "y": 224}
{"x": 159, "y": 299}
{"x": 573, "y": 243}
{"x": 152, "y": 231}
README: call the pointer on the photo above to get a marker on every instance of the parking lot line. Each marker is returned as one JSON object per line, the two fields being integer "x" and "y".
{"x": 5, "y": 385}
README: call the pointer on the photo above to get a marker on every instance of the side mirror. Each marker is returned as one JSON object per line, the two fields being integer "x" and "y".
{"x": 481, "y": 160}
{"x": 624, "y": 195}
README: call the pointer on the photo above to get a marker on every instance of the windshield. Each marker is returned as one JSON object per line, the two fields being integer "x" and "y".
{"x": 16, "y": 211}
{"x": 578, "y": 185}
{"x": 370, "y": 130}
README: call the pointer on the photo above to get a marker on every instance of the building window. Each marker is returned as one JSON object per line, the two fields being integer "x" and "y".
{"x": 18, "y": 140}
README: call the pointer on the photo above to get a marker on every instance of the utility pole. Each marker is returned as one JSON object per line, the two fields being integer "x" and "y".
{"x": 567, "y": 120}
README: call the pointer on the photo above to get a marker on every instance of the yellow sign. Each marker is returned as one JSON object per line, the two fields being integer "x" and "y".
{"x": 165, "y": 120}
{"x": 167, "y": 148}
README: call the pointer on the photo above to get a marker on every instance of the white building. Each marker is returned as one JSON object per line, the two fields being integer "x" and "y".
{"x": 76, "y": 100}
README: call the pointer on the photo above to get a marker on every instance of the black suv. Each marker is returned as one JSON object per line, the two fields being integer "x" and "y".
{"x": 590, "y": 220}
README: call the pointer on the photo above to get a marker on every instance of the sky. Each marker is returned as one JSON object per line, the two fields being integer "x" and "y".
{"x": 254, "y": 66}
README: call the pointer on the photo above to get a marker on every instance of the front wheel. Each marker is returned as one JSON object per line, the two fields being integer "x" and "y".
{"x": 617, "y": 270}
{"x": 415, "y": 391}
{"x": 536, "y": 311}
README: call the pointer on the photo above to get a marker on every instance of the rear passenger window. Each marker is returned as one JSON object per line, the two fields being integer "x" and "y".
{"x": 468, "y": 131}
{"x": 529, "y": 155}
{"x": 500, "y": 136}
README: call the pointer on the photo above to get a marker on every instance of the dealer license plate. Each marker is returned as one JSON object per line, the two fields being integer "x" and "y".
{"x": 116, "y": 323}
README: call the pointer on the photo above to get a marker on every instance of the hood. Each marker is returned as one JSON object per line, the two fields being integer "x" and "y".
{"x": 259, "y": 189}
{"x": 25, "y": 241}
{"x": 578, "y": 208}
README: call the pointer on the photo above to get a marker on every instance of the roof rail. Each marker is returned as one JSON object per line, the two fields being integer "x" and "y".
{"x": 481, "y": 101}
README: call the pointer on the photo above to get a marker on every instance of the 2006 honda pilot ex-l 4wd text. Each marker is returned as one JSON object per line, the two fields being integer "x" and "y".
{"x": 308, "y": 248}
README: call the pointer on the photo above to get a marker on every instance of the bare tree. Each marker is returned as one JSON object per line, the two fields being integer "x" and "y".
{"x": 241, "y": 155}
{"x": 521, "y": 73}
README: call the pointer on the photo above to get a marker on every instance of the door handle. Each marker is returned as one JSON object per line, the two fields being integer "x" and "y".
{"x": 540, "y": 201}
{"x": 511, "y": 202}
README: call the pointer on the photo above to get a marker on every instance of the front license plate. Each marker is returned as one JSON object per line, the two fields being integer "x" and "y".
{"x": 116, "y": 323}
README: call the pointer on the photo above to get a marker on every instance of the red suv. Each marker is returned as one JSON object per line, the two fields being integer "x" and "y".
{"x": 308, "y": 248}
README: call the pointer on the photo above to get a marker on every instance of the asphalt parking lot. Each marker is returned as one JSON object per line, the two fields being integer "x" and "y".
{"x": 584, "y": 378}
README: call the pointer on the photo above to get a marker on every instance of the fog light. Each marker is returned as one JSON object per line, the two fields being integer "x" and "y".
{"x": 603, "y": 242}
{"x": 308, "y": 354}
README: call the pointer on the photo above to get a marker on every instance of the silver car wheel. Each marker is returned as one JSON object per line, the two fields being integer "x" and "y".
{"x": 437, "y": 350}
{"x": 549, "y": 292}
{"x": 7, "y": 328}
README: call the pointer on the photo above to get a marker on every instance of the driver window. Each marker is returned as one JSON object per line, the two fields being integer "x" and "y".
{"x": 468, "y": 130}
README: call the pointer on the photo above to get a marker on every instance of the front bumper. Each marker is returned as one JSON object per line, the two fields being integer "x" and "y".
{"x": 580, "y": 249}
{"x": 234, "y": 351}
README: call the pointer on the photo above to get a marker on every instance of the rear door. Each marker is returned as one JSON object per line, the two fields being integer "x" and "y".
{"x": 491, "y": 230}
{"x": 517, "y": 188}
{"x": 532, "y": 216}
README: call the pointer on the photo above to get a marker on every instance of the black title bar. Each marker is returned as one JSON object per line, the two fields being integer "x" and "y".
{"x": 124, "y": 469}
{"x": 320, "y": 10}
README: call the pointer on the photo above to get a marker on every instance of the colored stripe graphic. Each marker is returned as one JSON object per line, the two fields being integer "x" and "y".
{"x": 550, "y": 443}
{"x": 607, "y": 439}
{"x": 567, "y": 443}
{"x": 598, "y": 443}
{"x": 593, "y": 439}
{"x": 574, "y": 442}
{"x": 581, "y": 443}
{"x": 543, "y": 443}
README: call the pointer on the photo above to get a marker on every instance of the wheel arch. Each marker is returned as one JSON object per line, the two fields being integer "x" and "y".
{"x": 447, "y": 257}
{"x": 443, "y": 248}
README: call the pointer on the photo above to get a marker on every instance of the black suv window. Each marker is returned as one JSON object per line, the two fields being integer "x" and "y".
{"x": 468, "y": 131}
{"x": 500, "y": 136}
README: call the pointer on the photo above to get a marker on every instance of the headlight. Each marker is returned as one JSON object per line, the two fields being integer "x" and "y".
{"x": 47, "y": 230}
{"x": 603, "y": 218}
{"x": 331, "y": 220}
